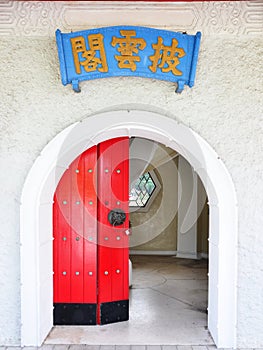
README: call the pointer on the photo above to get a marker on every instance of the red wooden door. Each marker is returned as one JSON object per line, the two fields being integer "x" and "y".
{"x": 91, "y": 246}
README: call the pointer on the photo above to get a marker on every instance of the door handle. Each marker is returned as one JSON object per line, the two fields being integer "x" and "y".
{"x": 116, "y": 217}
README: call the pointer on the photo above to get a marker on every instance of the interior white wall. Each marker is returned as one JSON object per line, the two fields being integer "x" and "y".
{"x": 154, "y": 229}
{"x": 173, "y": 228}
{"x": 187, "y": 211}
{"x": 141, "y": 153}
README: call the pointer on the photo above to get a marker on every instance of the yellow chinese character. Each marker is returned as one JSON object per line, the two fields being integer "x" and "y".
{"x": 91, "y": 62}
{"x": 166, "y": 57}
{"x": 127, "y": 47}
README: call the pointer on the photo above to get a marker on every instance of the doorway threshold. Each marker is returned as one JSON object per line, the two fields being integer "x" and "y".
{"x": 168, "y": 302}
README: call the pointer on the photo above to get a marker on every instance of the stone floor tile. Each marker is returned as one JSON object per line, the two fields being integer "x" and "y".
{"x": 107, "y": 347}
{"x": 92, "y": 347}
{"x": 78, "y": 347}
{"x": 169, "y": 347}
{"x": 138, "y": 347}
{"x": 184, "y": 347}
{"x": 60, "y": 347}
{"x": 154, "y": 347}
{"x": 123, "y": 347}
{"x": 47, "y": 347}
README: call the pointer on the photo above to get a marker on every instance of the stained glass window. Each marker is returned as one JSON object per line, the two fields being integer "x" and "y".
{"x": 141, "y": 191}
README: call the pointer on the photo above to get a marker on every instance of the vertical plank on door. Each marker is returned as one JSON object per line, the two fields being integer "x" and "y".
{"x": 62, "y": 238}
{"x": 90, "y": 225}
{"x": 113, "y": 249}
{"x": 77, "y": 205}
{"x": 104, "y": 231}
{"x": 120, "y": 197}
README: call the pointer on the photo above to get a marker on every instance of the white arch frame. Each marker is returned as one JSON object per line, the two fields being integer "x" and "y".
{"x": 36, "y": 216}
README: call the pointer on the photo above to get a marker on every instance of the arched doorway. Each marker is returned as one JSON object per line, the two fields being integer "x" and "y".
{"x": 36, "y": 216}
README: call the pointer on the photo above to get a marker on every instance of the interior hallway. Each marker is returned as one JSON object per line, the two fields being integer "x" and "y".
{"x": 168, "y": 303}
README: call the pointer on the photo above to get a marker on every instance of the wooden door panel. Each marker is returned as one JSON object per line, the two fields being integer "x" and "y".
{"x": 91, "y": 255}
{"x": 75, "y": 249}
{"x": 113, "y": 247}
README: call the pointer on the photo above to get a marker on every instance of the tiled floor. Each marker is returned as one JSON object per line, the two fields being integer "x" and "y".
{"x": 119, "y": 347}
{"x": 113, "y": 347}
{"x": 168, "y": 302}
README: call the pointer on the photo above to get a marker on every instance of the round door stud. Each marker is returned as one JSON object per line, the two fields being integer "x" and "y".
{"x": 77, "y": 238}
{"x": 90, "y": 171}
{"x": 106, "y": 273}
{"x": 118, "y": 171}
{"x": 64, "y": 238}
{"x": 78, "y": 202}
{"x": 106, "y": 171}
{"x": 90, "y": 273}
{"x": 90, "y": 238}
{"x": 77, "y": 171}
{"x": 118, "y": 271}
{"x": 118, "y": 238}
{"x": 118, "y": 202}
{"x": 64, "y": 273}
{"x": 106, "y": 238}
{"x": 64, "y": 202}
{"x": 77, "y": 273}
{"x": 90, "y": 202}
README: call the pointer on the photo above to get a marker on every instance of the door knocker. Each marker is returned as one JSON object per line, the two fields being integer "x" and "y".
{"x": 116, "y": 217}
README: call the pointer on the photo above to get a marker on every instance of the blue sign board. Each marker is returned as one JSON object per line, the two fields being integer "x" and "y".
{"x": 128, "y": 51}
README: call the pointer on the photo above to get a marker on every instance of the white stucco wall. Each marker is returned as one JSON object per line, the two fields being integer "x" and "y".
{"x": 225, "y": 108}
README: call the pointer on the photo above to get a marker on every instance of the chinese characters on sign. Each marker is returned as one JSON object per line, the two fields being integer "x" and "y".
{"x": 127, "y": 46}
{"x": 90, "y": 62}
{"x": 128, "y": 51}
{"x": 166, "y": 55}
